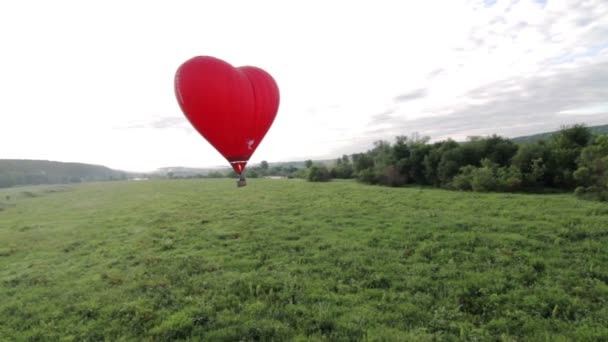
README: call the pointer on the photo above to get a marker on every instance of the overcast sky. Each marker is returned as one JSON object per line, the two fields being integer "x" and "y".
{"x": 92, "y": 81}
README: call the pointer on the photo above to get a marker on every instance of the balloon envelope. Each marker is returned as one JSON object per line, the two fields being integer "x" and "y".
{"x": 232, "y": 108}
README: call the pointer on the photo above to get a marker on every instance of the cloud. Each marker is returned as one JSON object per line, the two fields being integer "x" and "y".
{"x": 600, "y": 108}
{"x": 523, "y": 67}
{"x": 170, "y": 122}
{"x": 516, "y": 106}
{"x": 435, "y": 73}
{"x": 163, "y": 123}
{"x": 385, "y": 116}
{"x": 412, "y": 95}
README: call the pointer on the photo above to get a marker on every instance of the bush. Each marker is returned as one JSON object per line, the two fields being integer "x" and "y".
{"x": 392, "y": 177}
{"x": 483, "y": 180}
{"x": 251, "y": 174}
{"x": 582, "y": 176}
{"x": 464, "y": 180}
{"x": 367, "y": 176}
{"x": 592, "y": 172}
{"x": 509, "y": 179}
{"x": 343, "y": 171}
{"x": 593, "y": 193}
{"x": 318, "y": 174}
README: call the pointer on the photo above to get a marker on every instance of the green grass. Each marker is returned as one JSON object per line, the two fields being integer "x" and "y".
{"x": 290, "y": 260}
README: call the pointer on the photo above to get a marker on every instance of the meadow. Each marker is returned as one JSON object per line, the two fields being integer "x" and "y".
{"x": 200, "y": 260}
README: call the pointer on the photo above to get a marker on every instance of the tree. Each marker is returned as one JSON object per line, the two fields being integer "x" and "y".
{"x": 592, "y": 173}
{"x": 308, "y": 163}
{"x": 318, "y": 174}
{"x": 566, "y": 146}
{"x": 251, "y": 173}
{"x": 451, "y": 162}
{"x": 412, "y": 167}
{"x": 575, "y": 136}
{"x": 401, "y": 149}
{"x": 484, "y": 177}
{"x": 464, "y": 179}
{"x": 362, "y": 161}
{"x": 433, "y": 159}
{"x": 342, "y": 171}
{"x": 231, "y": 174}
{"x": 264, "y": 165}
{"x": 498, "y": 149}
{"x": 531, "y": 159}
{"x": 343, "y": 168}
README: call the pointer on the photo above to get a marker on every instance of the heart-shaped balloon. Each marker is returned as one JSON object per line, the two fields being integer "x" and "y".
{"x": 232, "y": 108}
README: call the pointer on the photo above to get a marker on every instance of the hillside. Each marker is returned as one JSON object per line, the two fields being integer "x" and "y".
{"x": 302, "y": 163}
{"x": 15, "y": 172}
{"x": 182, "y": 171}
{"x": 185, "y": 172}
{"x": 603, "y": 129}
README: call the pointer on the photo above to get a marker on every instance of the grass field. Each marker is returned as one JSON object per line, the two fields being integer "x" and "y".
{"x": 290, "y": 260}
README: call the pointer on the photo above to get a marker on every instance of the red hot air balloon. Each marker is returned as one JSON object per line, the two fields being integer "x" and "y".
{"x": 232, "y": 108}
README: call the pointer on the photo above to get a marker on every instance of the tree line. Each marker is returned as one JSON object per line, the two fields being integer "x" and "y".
{"x": 572, "y": 159}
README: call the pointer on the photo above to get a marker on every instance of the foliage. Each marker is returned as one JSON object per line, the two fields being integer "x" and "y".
{"x": 280, "y": 170}
{"x": 318, "y": 173}
{"x": 488, "y": 177}
{"x": 573, "y": 157}
{"x": 343, "y": 168}
{"x": 592, "y": 174}
{"x": 200, "y": 260}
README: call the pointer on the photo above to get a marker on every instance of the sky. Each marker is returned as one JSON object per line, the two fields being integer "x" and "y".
{"x": 92, "y": 81}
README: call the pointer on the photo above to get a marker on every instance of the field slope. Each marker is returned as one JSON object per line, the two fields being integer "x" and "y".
{"x": 291, "y": 260}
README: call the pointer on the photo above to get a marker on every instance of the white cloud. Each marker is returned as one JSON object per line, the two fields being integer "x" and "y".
{"x": 601, "y": 108}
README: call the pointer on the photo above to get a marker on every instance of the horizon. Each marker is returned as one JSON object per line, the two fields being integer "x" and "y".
{"x": 227, "y": 167}
{"x": 97, "y": 87}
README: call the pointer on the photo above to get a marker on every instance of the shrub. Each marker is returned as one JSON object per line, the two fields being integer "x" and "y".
{"x": 483, "y": 180}
{"x": 318, "y": 173}
{"x": 509, "y": 179}
{"x": 593, "y": 193}
{"x": 343, "y": 171}
{"x": 464, "y": 180}
{"x": 367, "y": 176}
{"x": 392, "y": 177}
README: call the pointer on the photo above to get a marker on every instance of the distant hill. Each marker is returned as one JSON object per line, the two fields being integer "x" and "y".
{"x": 181, "y": 171}
{"x": 302, "y": 163}
{"x": 15, "y": 172}
{"x": 603, "y": 129}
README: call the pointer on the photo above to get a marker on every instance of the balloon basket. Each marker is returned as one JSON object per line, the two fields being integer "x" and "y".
{"x": 241, "y": 182}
